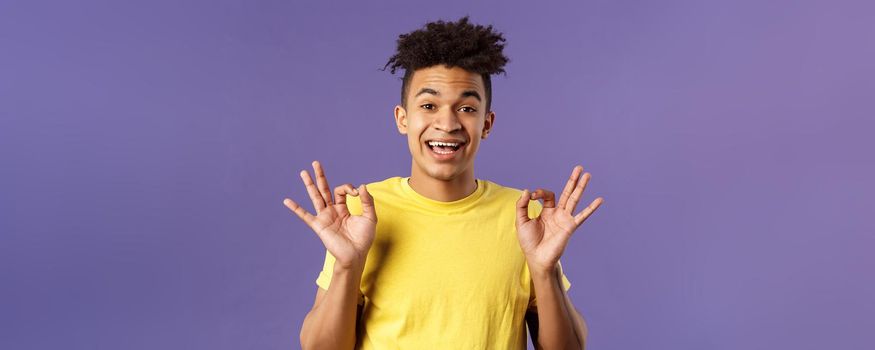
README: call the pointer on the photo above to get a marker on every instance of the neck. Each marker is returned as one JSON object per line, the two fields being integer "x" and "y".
{"x": 443, "y": 190}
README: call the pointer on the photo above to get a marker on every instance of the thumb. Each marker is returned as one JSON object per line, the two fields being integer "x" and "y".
{"x": 368, "y": 210}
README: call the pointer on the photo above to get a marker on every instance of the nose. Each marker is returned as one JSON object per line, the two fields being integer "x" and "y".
{"x": 447, "y": 121}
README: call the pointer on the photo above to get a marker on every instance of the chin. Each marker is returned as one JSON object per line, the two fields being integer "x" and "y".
{"x": 442, "y": 175}
{"x": 441, "y": 172}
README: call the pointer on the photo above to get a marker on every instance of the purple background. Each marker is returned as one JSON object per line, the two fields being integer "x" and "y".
{"x": 145, "y": 150}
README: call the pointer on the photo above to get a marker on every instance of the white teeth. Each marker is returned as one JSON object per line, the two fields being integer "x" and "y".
{"x": 443, "y": 144}
{"x": 439, "y": 152}
{"x": 436, "y": 147}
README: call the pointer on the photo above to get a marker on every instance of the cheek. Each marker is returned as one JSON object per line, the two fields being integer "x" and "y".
{"x": 476, "y": 130}
{"x": 473, "y": 147}
{"x": 413, "y": 141}
{"x": 414, "y": 125}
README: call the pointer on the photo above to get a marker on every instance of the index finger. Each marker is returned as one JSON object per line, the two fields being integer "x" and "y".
{"x": 299, "y": 211}
{"x": 322, "y": 182}
{"x": 569, "y": 186}
{"x": 313, "y": 192}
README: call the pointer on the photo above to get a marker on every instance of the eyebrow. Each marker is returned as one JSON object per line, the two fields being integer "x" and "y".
{"x": 472, "y": 93}
{"x": 427, "y": 91}
{"x": 466, "y": 93}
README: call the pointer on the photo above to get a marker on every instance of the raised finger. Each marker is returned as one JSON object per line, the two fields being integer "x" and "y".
{"x": 583, "y": 215}
{"x": 300, "y": 211}
{"x": 548, "y": 196}
{"x": 522, "y": 207}
{"x": 322, "y": 182}
{"x": 368, "y": 208}
{"x": 315, "y": 196}
{"x": 571, "y": 206}
{"x": 569, "y": 186}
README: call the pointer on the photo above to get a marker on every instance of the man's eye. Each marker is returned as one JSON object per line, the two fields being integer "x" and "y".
{"x": 428, "y": 106}
{"x": 468, "y": 109}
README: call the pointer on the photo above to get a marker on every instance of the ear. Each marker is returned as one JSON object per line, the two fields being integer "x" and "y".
{"x": 487, "y": 124}
{"x": 401, "y": 119}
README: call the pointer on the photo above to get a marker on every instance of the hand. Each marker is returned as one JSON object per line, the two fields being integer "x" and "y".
{"x": 543, "y": 239}
{"x": 347, "y": 237}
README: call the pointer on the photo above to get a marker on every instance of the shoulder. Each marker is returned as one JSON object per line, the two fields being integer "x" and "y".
{"x": 511, "y": 195}
{"x": 502, "y": 191}
{"x": 388, "y": 185}
{"x": 379, "y": 190}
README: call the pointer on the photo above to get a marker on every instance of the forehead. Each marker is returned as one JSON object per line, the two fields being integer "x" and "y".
{"x": 441, "y": 78}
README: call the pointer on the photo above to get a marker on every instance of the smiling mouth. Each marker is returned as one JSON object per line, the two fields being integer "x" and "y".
{"x": 444, "y": 147}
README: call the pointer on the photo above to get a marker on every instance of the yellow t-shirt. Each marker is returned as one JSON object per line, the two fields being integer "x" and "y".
{"x": 443, "y": 275}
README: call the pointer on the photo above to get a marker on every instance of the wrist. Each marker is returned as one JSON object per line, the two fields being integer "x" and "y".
{"x": 544, "y": 271}
{"x": 354, "y": 262}
{"x": 352, "y": 269}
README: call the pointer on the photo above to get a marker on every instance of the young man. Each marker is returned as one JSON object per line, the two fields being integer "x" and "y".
{"x": 453, "y": 261}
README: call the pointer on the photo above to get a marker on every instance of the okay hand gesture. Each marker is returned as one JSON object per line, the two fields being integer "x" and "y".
{"x": 543, "y": 239}
{"x": 347, "y": 237}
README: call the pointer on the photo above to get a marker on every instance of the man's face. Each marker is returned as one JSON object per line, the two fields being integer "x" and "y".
{"x": 445, "y": 105}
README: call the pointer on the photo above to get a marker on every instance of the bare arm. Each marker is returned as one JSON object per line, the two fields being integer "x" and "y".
{"x": 543, "y": 240}
{"x": 580, "y": 329}
{"x": 331, "y": 323}
{"x": 557, "y": 327}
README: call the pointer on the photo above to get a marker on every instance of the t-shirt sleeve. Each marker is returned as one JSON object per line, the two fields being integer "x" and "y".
{"x": 566, "y": 284}
{"x": 324, "y": 279}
